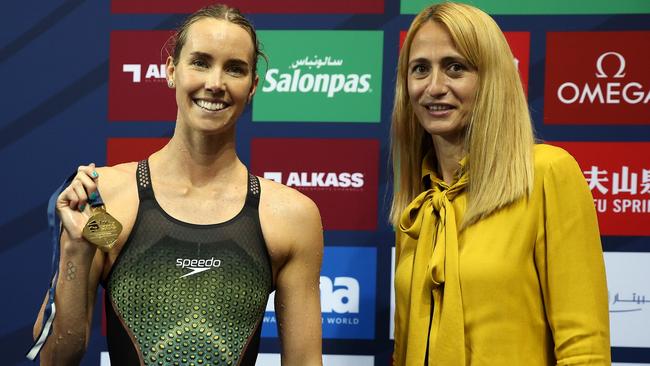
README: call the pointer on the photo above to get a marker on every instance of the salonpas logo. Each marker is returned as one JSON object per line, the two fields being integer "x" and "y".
{"x": 320, "y": 76}
{"x": 316, "y": 81}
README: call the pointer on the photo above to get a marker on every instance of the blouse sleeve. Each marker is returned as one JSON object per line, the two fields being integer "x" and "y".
{"x": 571, "y": 267}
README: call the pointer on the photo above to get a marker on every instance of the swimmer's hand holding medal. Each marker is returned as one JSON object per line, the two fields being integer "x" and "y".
{"x": 101, "y": 229}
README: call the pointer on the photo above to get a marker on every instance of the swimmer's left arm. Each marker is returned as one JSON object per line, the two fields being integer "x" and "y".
{"x": 297, "y": 299}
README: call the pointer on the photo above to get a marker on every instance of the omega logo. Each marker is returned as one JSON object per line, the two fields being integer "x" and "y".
{"x": 599, "y": 65}
{"x": 605, "y": 92}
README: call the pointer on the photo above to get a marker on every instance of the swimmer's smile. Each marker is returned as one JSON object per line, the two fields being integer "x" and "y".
{"x": 211, "y": 106}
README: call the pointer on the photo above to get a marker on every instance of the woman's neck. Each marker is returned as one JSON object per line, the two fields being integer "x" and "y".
{"x": 449, "y": 153}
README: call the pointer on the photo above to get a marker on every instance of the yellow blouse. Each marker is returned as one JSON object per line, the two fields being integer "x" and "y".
{"x": 524, "y": 286}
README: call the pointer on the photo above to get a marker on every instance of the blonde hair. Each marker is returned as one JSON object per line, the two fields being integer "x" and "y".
{"x": 499, "y": 137}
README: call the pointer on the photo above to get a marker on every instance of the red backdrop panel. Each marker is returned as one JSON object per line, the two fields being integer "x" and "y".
{"x": 340, "y": 175}
{"x": 618, "y": 174}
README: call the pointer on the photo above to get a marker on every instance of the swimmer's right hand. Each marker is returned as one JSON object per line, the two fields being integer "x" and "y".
{"x": 72, "y": 203}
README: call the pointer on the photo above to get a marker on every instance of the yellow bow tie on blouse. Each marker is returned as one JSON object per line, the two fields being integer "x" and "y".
{"x": 430, "y": 219}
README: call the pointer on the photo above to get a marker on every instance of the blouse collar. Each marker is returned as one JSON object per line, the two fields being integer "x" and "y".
{"x": 430, "y": 175}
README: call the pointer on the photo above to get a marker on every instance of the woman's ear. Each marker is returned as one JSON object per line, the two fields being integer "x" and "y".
{"x": 253, "y": 89}
{"x": 170, "y": 69}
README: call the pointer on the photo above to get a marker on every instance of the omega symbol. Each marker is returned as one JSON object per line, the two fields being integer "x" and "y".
{"x": 621, "y": 68}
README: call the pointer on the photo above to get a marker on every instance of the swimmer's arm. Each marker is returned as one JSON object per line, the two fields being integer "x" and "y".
{"x": 74, "y": 300}
{"x": 80, "y": 266}
{"x": 297, "y": 299}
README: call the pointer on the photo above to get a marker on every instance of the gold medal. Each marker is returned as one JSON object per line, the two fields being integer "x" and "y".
{"x": 102, "y": 229}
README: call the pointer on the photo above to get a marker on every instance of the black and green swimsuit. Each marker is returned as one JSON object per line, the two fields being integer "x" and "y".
{"x": 186, "y": 294}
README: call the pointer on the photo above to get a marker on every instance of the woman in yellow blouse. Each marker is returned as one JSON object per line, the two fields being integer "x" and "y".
{"x": 499, "y": 259}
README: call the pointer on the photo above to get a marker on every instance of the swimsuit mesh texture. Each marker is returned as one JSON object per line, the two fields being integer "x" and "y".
{"x": 160, "y": 311}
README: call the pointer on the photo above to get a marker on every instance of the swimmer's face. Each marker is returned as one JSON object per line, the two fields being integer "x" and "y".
{"x": 213, "y": 77}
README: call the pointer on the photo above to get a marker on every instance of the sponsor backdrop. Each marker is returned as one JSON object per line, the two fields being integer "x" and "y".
{"x": 84, "y": 82}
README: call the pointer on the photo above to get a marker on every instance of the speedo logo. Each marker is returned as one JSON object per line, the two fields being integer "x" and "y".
{"x": 318, "y": 179}
{"x": 310, "y": 75}
{"x": 197, "y": 265}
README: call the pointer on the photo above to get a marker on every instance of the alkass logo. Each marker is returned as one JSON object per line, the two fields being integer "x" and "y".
{"x": 318, "y": 180}
{"x": 154, "y": 72}
{"x": 197, "y": 265}
{"x": 137, "y": 90}
{"x": 597, "y": 77}
{"x": 307, "y": 77}
{"x": 339, "y": 175}
{"x": 324, "y": 75}
{"x": 618, "y": 174}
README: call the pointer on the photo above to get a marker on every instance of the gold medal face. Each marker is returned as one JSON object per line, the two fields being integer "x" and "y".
{"x": 102, "y": 230}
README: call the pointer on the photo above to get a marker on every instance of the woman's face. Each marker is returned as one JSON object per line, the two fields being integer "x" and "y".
{"x": 442, "y": 84}
{"x": 214, "y": 75}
